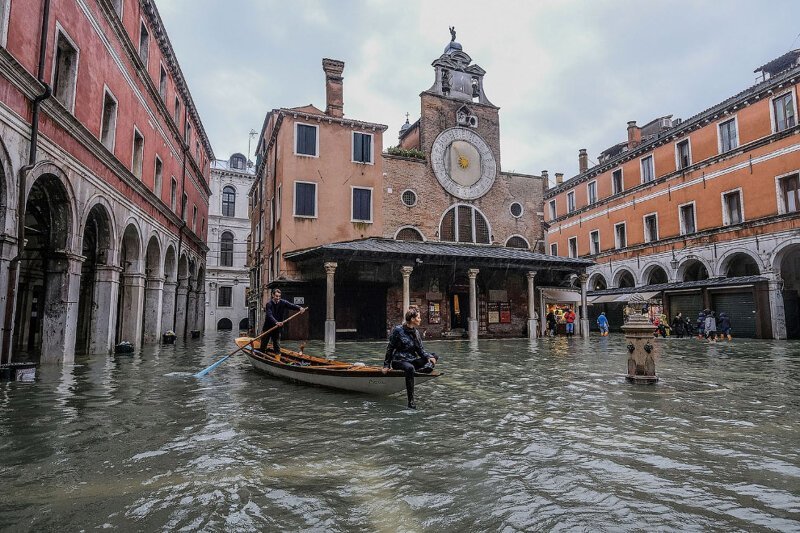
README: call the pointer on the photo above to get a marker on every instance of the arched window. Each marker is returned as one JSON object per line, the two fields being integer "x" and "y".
{"x": 464, "y": 223}
{"x": 225, "y": 324}
{"x": 409, "y": 234}
{"x": 237, "y": 162}
{"x": 226, "y": 249}
{"x": 228, "y": 201}
{"x": 517, "y": 242}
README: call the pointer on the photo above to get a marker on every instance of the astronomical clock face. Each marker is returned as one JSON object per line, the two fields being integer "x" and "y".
{"x": 463, "y": 163}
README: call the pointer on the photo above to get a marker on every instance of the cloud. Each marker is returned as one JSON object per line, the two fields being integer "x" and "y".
{"x": 566, "y": 74}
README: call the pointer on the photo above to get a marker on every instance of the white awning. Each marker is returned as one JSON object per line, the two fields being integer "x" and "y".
{"x": 645, "y": 295}
{"x": 561, "y": 296}
{"x": 603, "y": 298}
{"x": 620, "y": 298}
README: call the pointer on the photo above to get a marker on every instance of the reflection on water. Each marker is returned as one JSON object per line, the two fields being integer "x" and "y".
{"x": 517, "y": 435}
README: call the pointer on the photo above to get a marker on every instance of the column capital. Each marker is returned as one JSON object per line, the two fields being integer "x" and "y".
{"x": 330, "y": 267}
{"x": 406, "y": 271}
{"x": 473, "y": 273}
{"x": 583, "y": 278}
{"x": 530, "y": 274}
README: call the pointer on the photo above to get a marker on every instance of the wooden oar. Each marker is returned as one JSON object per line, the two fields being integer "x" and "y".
{"x": 240, "y": 348}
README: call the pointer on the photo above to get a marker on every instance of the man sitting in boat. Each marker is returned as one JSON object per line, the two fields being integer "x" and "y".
{"x": 405, "y": 352}
{"x": 273, "y": 316}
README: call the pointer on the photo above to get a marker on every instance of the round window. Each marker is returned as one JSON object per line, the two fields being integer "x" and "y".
{"x": 409, "y": 198}
{"x": 516, "y": 210}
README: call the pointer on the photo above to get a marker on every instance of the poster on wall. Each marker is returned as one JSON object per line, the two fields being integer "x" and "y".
{"x": 505, "y": 313}
{"x": 493, "y": 309}
{"x": 434, "y": 313}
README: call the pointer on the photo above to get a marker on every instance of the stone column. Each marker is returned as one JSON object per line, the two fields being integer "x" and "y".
{"x": 543, "y": 314}
{"x": 473, "y": 304}
{"x": 330, "y": 320}
{"x": 168, "y": 306}
{"x": 104, "y": 315}
{"x": 133, "y": 308}
{"x": 8, "y": 249}
{"x": 60, "y": 320}
{"x": 191, "y": 307}
{"x": 153, "y": 308}
{"x": 776, "y": 309}
{"x": 584, "y": 279}
{"x": 181, "y": 295}
{"x": 201, "y": 311}
{"x": 406, "y": 271}
{"x": 532, "y": 322}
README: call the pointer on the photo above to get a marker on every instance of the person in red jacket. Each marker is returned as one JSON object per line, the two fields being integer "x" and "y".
{"x": 569, "y": 318}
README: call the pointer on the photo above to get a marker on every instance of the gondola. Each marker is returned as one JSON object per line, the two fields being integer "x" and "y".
{"x": 302, "y": 368}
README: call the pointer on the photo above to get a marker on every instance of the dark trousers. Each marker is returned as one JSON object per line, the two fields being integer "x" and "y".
{"x": 275, "y": 338}
{"x": 409, "y": 367}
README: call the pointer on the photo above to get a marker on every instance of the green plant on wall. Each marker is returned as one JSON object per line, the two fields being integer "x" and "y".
{"x": 406, "y": 152}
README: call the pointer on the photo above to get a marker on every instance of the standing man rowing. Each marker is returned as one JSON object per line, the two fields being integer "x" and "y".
{"x": 274, "y": 316}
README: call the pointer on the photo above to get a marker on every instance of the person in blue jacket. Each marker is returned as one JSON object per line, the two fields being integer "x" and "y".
{"x": 724, "y": 325}
{"x": 405, "y": 352}
{"x": 274, "y": 314}
{"x": 602, "y": 323}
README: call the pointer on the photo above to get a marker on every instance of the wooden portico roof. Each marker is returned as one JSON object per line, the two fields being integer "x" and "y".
{"x": 436, "y": 253}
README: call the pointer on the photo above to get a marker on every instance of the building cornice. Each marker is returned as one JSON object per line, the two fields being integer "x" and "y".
{"x": 347, "y": 122}
{"x": 161, "y": 37}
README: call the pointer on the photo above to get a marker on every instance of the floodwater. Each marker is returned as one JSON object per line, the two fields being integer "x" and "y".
{"x": 516, "y": 436}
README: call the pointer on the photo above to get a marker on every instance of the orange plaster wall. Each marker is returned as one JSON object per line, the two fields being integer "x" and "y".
{"x": 335, "y": 173}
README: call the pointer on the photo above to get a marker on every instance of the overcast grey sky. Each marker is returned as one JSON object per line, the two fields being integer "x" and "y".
{"x": 566, "y": 74}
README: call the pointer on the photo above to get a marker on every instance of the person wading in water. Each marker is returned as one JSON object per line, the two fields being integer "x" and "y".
{"x": 405, "y": 352}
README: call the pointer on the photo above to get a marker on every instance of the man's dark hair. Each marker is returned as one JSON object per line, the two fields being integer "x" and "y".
{"x": 275, "y": 291}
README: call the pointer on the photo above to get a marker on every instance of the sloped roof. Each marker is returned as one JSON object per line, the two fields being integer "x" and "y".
{"x": 374, "y": 247}
{"x": 309, "y": 109}
{"x": 787, "y": 60}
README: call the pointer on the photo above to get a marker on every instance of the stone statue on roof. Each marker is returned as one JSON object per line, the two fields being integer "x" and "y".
{"x": 452, "y": 34}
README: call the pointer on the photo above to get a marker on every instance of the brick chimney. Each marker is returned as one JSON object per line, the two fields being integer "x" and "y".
{"x": 545, "y": 180}
{"x": 559, "y": 178}
{"x": 583, "y": 161}
{"x": 634, "y": 134}
{"x": 334, "y": 90}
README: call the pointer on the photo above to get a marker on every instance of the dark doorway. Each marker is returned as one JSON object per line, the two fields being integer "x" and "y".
{"x": 244, "y": 324}
{"x": 225, "y": 324}
{"x": 459, "y": 310}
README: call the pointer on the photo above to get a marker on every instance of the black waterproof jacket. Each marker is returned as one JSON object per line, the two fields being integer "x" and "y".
{"x": 405, "y": 344}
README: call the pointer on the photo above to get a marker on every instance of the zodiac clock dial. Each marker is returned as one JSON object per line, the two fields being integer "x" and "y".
{"x": 463, "y": 163}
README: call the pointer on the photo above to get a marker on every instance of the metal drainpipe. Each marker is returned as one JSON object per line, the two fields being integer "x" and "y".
{"x": 14, "y": 265}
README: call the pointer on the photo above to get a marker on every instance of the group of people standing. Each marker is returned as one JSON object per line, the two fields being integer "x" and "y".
{"x": 708, "y": 326}
{"x": 569, "y": 322}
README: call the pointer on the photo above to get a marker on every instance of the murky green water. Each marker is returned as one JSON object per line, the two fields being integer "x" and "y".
{"x": 516, "y": 436}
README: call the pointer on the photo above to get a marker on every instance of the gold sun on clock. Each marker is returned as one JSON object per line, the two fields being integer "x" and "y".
{"x": 463, "y": 163}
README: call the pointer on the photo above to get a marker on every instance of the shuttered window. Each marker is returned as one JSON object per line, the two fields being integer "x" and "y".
{"x": 362, "y": 147}
{"x": 305, "y": 199}
{"x": 306, "y": 140}
{"x": 362, "y": 205}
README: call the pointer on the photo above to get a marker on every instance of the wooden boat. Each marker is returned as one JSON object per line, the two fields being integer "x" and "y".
{"x": 303, "y": 368}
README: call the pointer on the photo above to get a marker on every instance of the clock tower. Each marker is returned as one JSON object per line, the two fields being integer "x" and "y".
{"x": 444, "y": 180}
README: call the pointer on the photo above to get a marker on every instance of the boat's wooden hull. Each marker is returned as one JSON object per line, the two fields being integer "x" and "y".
{"x": 330, "y": 373}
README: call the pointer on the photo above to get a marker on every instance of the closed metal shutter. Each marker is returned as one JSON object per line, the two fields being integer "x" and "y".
{"x": 688, "y": 303}
{"x": 741, "y": 307}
